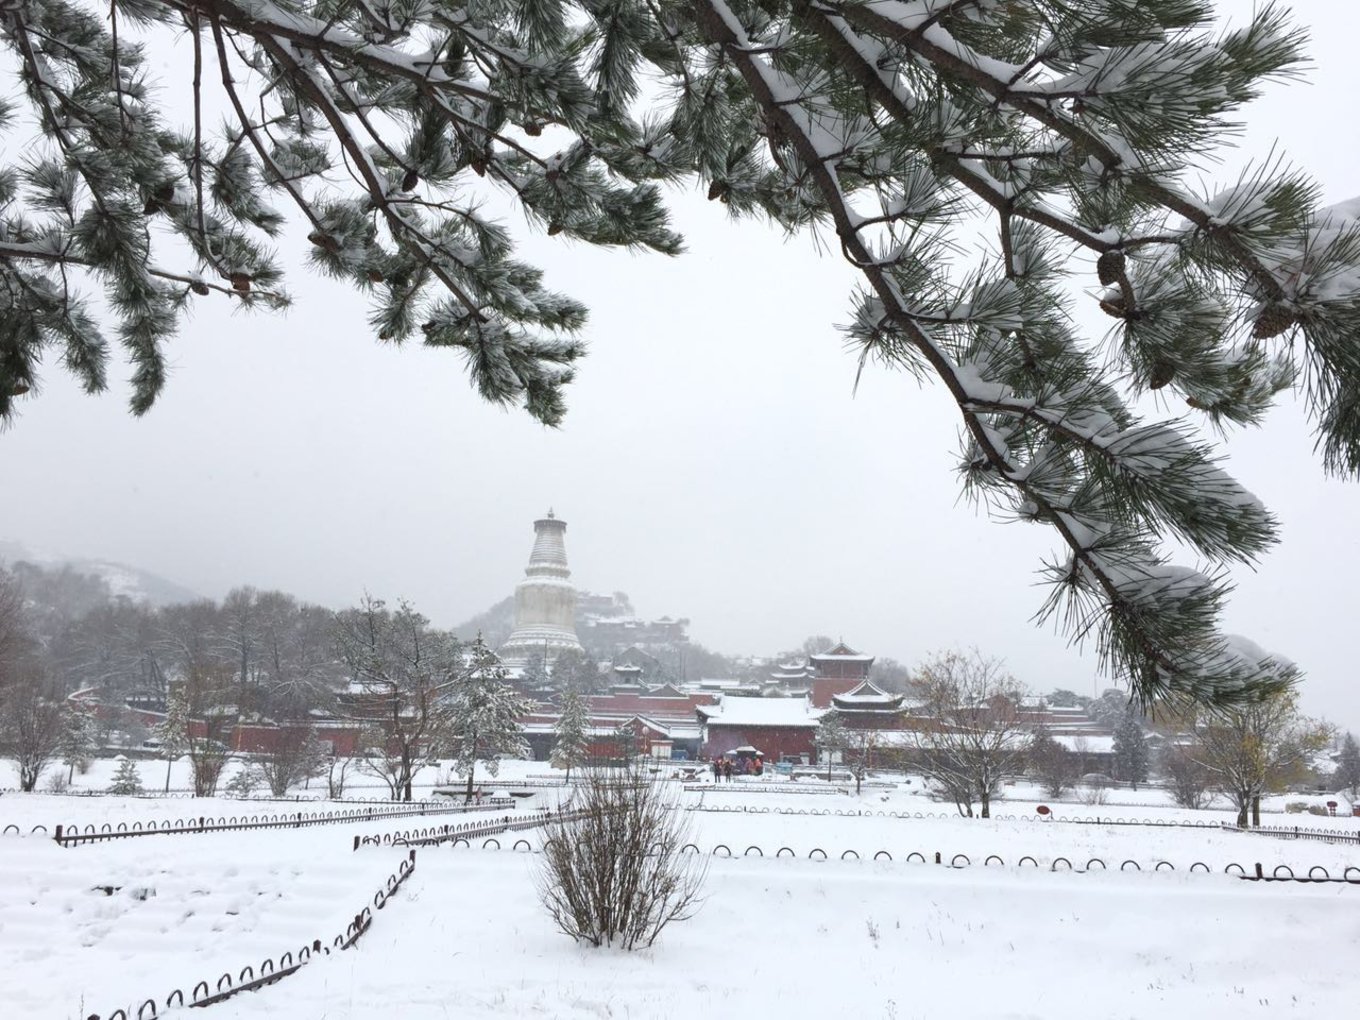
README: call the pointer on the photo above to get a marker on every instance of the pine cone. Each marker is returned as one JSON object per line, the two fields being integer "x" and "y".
{"x": 718, "y": 189}
{"x": 200, "y": 288}
{"x": 533, "y": 129}
{"x": 1109, "y": 267}
{"x": 409, "y": 182}
{"x": 324, "y": 241}
{"x": 554, "y": 229}
{"x": 375, "y": 276}
{"x": 1272, "y": 322}
{"x": 1162, "y": 373}
{"x": 18, "y": 389}
{"x": 240, "y": 282}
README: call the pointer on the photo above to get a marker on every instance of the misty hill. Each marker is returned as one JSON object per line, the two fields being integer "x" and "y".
{"x": 122, "y": 580}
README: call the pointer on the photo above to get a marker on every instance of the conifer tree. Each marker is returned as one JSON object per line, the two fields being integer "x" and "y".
{"x": 1131, "y": 756}
{"x": 1076, "y": 134}
{"x": 78, "y": 740}
{"x": 1348, "y": 768}
{"x": 831, "y": 739}
{"x": 172, "y": 733}
{"x": 483, "y": 715}
{"x": 572, "y": 742}
{"x": 127, "y": 780}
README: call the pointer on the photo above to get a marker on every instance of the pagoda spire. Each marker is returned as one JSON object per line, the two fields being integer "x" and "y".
{"x": 545, "y": 601}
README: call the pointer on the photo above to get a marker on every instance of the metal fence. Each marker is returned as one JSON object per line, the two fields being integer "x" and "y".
{"x": 249, "y": 978}
{"x": 1252, "y": 873}
{"x": 74, "y": 835}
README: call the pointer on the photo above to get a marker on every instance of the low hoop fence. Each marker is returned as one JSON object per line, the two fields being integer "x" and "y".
{"x": 1075, "y": 864}
{"x": 1299, "y": 832}
{"x": 790, "y": 788}
{"x": 1325, "y": 835}
{"x": 75, "y": 835}
{"x": 271, "y": 969}
{"x": 456, "y": 834}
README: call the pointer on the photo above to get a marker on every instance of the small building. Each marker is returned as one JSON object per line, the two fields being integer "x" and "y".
{"x": 778, "y": 727}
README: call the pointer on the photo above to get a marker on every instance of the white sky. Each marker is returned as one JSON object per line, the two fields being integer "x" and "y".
{"x": 715, "y": 463}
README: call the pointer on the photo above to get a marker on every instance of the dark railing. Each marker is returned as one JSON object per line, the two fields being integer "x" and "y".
{"x": 74, "y": 835}
{"x": 249, "y": 978}
{"x": 1299, "y": 832}
{"x": 1296, "y": 832}
{"x": 467, "y": 832}
{"x": 1256, "y": 873}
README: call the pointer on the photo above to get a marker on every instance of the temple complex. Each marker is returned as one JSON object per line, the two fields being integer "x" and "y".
{"x": 545, "y": 601}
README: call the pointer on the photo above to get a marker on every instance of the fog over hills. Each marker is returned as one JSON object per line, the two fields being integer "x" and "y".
{"x": 122, "y": 579}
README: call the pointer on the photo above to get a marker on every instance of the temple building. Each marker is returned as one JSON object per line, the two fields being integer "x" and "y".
{"x": 545, "y": 601}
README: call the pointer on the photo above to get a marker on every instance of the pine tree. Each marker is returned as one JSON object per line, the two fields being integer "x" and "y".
{"x": 483, "y": 715}
{"x": 572, "y": 742}
{"x": 1131, "y": 755}
{"x": 1075, "y": 134}
{"x": 127, "y": 781}
{"x": 78, "y": 741}
{"x": 172, "y": 733}
{"x": 831, "y": 739}
{"x": 244, "y": 782}
{"x": 1348, "y": 768}
{"x": 535, "y": 673}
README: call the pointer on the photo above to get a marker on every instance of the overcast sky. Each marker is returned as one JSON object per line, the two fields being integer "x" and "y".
{"x": 716, "y": 462}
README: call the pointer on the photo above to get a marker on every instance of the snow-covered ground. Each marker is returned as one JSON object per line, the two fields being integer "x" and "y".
{"x": 92, "y": 928}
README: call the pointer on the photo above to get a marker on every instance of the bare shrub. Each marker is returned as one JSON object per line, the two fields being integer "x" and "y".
{"x": 613, "y": 871}
{"x": 1093, "y": 792}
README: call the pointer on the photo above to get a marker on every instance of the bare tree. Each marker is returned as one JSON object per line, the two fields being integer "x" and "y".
{"x": 973, "y": 739}
{"x": 31, "y": 722}
{"x": 400, "y": 668}
{"x": 198, "y": 721}
{"x": 1257, "y": 748}
{"x": 1188, "y": 779}
{"x": 614, "y": 871}
{"x": 1053, "y": 765}
{"x": 296, "y": 755}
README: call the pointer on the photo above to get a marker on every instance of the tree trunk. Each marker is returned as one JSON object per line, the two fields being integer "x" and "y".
{"x": 169, "y": 762}
{"x": 467, "y": 799}
{"x": 986, "y": 805}
{"x": 1256, "y": 811}
{"x": 1242, "y": 813}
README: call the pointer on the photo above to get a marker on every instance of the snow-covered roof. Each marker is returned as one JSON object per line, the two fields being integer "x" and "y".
{"x": 1092, "y": 744}
{"x": 867, "y": 695}
{"x": 738, "y": 711}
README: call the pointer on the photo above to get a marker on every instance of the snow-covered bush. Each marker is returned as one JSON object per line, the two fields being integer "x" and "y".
{"x": 613, "y": 871}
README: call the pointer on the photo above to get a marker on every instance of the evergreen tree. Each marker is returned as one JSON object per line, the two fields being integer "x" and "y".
{"x": 1348, "y": 768}
{"x": 1079, "y": 130}
{"x": 1131, "y": 755}
{"x": 78, "y": 740}
{"x": 535, "y": 673}
{"x": 172, "y": 733}
{"x": 244, "y": 782}
{"x": 127, "y": 780}
{"x": 831, "y": 739}
{"x": 483, "y": 715}
{"x": 572, "y": 741}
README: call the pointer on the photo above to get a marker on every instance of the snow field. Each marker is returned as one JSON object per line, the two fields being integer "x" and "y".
{"x": 98, "y": 926}
{"x": 777, "y": 938}
{"x": 796, "y": 939}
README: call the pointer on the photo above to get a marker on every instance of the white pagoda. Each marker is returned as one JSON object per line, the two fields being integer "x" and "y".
{"x": 545, "y": 601}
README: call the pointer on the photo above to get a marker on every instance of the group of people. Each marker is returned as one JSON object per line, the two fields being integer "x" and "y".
{"x": 725, "y": 768}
